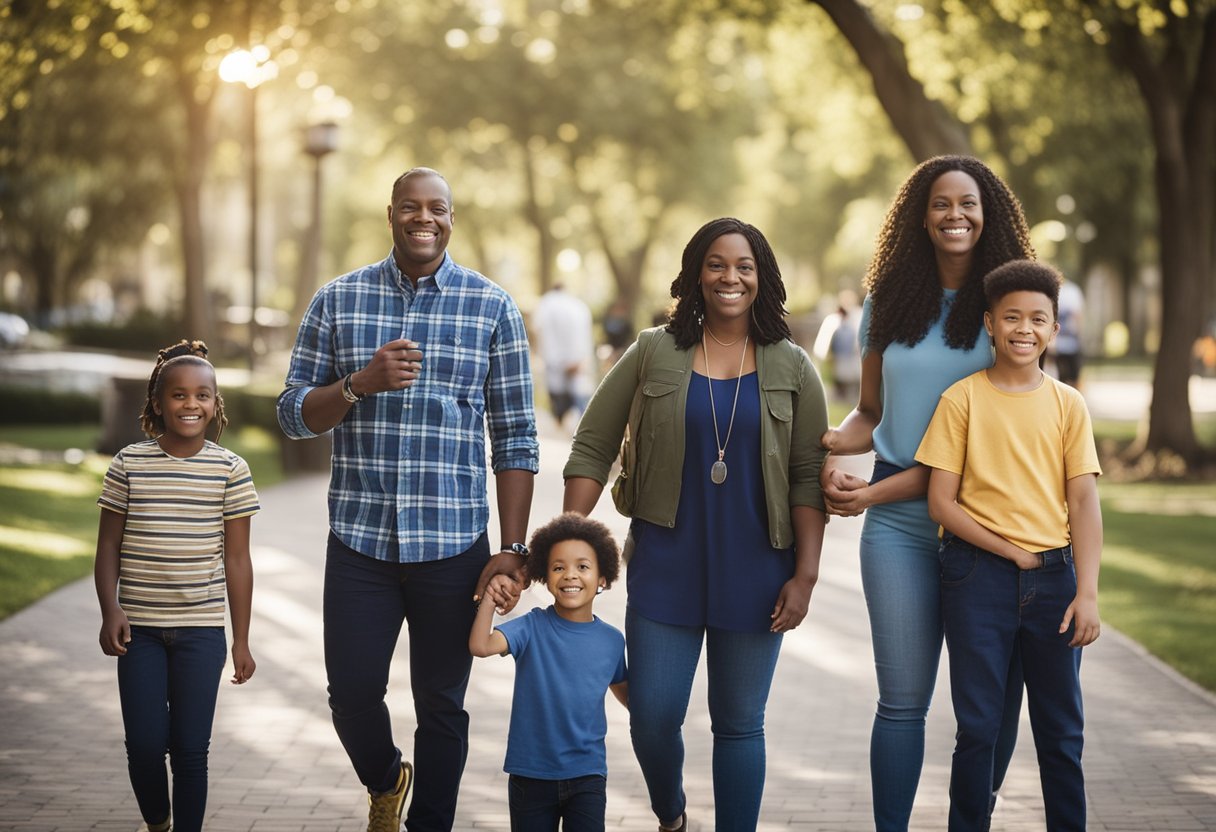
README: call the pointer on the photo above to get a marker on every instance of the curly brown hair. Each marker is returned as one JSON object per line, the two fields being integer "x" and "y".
{"x": 573, "y": 526}
{"x": 902, "y": 281}
{"x": 175, "y": 355}
{"x": 768, "y": 310}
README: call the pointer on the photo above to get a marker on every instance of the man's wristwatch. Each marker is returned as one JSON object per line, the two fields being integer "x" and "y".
{"x": 348, "y": 392}
{"x": 517, "y": 548}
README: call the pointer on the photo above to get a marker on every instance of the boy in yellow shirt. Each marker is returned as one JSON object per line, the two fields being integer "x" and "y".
{"x": 1014, "y": 487}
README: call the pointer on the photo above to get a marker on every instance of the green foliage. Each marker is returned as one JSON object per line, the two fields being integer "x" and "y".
{"x": 79, "y": 175}
{"x": 39, "y": 406}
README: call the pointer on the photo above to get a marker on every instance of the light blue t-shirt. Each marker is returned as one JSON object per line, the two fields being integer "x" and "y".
{"x": 562, "y": 673}
{"x": 913, "y": 379}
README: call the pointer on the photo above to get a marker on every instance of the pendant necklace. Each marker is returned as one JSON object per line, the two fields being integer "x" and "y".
{"x": 717, "y": 472}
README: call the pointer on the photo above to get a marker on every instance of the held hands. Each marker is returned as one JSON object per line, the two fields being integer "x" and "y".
{"x": 395, "y": 366}
{"x": 242, "y": 663}
{"x": 504, "y": 594}
{"x": 115, "y": 632}
{"x": 844, "y": 494}
{"x": 1083, "y": 613}
{"x": 792, "y": 604}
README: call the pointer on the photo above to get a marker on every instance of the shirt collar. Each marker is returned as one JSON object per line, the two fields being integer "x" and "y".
{"x": 441, "y": 277}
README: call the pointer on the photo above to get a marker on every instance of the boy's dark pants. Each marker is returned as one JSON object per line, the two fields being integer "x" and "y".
{"x": 989, "y": 609}
{"x": 365, "y": 602}
{"x": 537, "y": 805}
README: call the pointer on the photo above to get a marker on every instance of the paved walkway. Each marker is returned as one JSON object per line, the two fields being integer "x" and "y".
{"x": 276, "y": 764}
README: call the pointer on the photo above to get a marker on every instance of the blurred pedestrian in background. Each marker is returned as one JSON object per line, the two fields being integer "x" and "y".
{"x": 837, "y": 345}
{"x": 561, "y": 323}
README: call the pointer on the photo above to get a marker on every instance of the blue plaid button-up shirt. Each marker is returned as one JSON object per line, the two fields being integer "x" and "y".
{"x": 408, "y": 481}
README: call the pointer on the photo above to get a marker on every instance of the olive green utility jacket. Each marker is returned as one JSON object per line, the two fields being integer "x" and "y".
{"x": 793, "y": 418}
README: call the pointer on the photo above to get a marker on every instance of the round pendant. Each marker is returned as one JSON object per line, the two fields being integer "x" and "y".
{"x": 718, "y": 472}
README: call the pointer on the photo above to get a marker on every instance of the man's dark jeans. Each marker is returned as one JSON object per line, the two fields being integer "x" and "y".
{"x": 366, "y": 601}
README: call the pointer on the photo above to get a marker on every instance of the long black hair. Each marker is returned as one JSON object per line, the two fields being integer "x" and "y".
{"x": 902, "y": 281}
{"x": 768, "y": 311}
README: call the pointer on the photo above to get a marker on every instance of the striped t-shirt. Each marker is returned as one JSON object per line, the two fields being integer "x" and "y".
{"x": 171, "y": 569}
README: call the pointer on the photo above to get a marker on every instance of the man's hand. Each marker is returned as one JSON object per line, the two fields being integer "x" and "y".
{"x": 503, "y": 563}
{"x": 395, "y": 366}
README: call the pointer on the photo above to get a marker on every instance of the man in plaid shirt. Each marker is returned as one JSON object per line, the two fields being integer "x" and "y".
{"x": 408, "y": 361}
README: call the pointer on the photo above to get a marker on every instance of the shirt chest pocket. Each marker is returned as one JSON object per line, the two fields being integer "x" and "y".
{"x": 455, "y": 358}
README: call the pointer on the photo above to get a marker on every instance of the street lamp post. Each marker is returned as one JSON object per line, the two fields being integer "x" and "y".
{"x": 251, "y": 68}
{"x": 319, "y": 141}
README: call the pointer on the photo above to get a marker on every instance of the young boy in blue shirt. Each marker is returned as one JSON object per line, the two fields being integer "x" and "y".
{"x": 1014, "y": 487}
{"x": 566, "y": 660}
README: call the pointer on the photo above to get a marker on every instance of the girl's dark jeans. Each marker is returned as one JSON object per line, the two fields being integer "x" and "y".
{"x": 167, "y": 682}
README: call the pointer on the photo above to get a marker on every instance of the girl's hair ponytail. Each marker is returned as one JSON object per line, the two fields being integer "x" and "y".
{"x": 183, "y": 352}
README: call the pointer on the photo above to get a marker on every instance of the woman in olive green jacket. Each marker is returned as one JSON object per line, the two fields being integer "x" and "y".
{"x": 721, "y": 477}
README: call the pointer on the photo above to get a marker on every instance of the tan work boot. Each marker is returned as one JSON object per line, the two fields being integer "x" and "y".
{"x": 384, "y": 810}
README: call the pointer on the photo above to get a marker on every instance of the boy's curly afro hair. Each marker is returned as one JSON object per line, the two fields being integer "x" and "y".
{"x": 573, "y": 526}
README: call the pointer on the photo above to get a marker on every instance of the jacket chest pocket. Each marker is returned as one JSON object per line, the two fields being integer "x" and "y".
{"x": 779, "y": 407}
{"x": 658, "y": 403}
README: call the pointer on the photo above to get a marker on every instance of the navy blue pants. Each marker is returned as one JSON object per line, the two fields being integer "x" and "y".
{"x": 990, "y": 608}
{"x": 366, "y": 602}
{"x": 538, "y": 805}
{"x": 168, "y": 681}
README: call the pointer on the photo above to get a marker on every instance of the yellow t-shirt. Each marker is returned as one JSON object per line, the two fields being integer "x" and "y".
{"x": 1014, "y": 452}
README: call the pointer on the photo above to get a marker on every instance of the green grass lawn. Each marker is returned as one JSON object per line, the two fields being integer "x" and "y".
{"x": 1158, "y": 579}
{"x": 48, "y": 508}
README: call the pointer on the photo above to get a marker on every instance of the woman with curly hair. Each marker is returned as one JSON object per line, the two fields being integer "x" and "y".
{"x": 721, "y": 477}
{"x": 952, "y": 222}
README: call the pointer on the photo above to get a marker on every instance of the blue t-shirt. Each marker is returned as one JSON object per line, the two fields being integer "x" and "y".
{"x": 562, "y": 672}
{"x": 913, "y": 379}
{"x": 718, "y": 553}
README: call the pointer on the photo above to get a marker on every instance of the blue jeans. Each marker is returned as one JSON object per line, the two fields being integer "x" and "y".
{"x": 992, "y": 609}
{"x": 537, "y": 805}
{"x": 167, "y": 684}
{"x": 901, "y": 577}
{"x": 365, "y": 603}
{"x": 662, "y": 662}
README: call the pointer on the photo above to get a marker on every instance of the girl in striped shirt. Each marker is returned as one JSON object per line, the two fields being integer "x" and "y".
{"x": 173, "y": 537}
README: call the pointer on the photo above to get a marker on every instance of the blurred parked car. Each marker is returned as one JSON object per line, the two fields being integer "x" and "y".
{"x": 13, "y": 330}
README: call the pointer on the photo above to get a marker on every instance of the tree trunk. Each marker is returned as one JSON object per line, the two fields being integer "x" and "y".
{"x": 924, "y": 124}
{"x": 1181, "y": 102}
{"x": 188, "y": 186}
{"x": 536, "y": 215}
{"x": 44, "y": 268}
{"x": 627, "y": 268}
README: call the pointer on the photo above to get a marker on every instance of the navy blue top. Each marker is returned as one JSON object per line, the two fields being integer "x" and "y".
{"x": 716, "y": 566}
